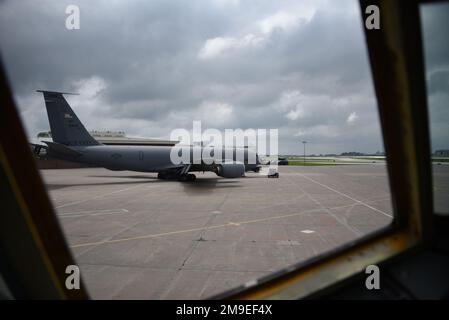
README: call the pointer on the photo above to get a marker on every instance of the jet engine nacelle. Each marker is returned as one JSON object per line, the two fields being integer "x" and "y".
{"x": 230, "y": 170}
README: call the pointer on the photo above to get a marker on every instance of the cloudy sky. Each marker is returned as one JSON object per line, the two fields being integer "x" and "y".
{"x": 435, "y": 23}
{"x": 148, "y": 67}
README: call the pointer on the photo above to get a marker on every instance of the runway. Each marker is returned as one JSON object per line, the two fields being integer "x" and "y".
{"x": 136, "y": 237}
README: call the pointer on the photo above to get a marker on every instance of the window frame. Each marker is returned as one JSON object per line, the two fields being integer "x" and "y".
{"x": 397, "y": 67}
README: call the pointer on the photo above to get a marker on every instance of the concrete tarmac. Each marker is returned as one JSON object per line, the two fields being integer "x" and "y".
{"x": 137, "y": 237}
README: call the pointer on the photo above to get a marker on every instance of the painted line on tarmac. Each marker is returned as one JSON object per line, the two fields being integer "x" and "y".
{"x": 229, "y": 224}
{"x": 91, "y": 213}
{"x": 98, "y": 197}
{"x": 349, "y": 197}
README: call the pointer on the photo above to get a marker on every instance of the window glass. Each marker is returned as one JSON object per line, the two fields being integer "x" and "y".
{"x": 435, "y": 26}
{"x": 296, "y": 72}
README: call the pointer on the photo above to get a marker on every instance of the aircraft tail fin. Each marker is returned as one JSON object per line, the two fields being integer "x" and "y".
{"x": 65, "y": 126}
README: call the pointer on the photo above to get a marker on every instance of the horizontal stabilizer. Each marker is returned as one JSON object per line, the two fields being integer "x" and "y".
{"x": 57, "y": 92}
{"x": 37, "y": 145}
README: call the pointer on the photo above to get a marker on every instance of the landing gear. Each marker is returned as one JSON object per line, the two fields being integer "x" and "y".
{"x": 187, "y": 177}
{"x": 183, "y": 177}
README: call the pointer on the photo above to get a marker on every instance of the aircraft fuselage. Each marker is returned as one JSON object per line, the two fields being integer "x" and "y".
{"x": 155, "y": 158}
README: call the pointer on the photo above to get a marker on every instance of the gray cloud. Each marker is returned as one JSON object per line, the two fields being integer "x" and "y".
{"x": 147, "y": 67}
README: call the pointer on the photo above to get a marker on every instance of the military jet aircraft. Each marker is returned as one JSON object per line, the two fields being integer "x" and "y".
{"x": 72, "y": 142}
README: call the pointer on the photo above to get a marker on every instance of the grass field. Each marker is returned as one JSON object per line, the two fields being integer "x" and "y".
{"x": 334, "y": 161}
{"x": 309, "y": 163}
{"x": 325, "y": 161}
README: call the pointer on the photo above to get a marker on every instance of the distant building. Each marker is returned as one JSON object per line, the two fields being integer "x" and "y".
{"x": 441, "y": 153}
{"x": 115, "y": 138}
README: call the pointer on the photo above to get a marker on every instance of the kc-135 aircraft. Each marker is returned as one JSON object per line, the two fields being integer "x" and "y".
{"x": 72, "y": 142}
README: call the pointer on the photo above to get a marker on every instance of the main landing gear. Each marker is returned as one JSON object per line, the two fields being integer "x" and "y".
{"x": 183, "y": 177}
{"x": 187, "y": 177}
